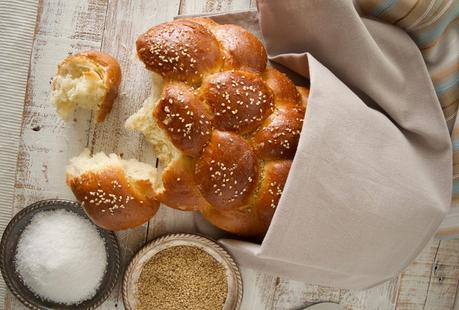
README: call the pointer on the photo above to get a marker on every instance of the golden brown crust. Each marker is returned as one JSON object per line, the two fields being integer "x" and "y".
{"x": 185, "y": 119}
{"x": 253, "y": 219}
{"x": 182, "y": 50}
{"x": 278, "y": 138}
{"x": 240, "y": 100}
{"x": 241, "y": 221}
{"x": 283, "y": 88}
{"x": 180, "y": 189}
{"x": 112, "y": 80}
{"x": 227, "y": 170}
{"x": 243, "y": 50}
{"x": 275, "y": 175}
{"x": 112, "y": 201}
{"x": 206, "y": 22}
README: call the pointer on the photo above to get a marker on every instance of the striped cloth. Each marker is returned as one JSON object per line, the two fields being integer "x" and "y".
{"x": 434, "y": 27}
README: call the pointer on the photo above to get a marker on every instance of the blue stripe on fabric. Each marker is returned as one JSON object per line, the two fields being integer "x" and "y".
{"x": 424, "y": 38}
{"x": 444, "y": 86}
{"x": 383, "y": 7}
{"x": 447, "y": 238}
{"x": 455, "y": 187}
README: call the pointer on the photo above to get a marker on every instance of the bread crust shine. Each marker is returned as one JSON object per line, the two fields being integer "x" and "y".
{"x": 181, "y": 114}
{"x": 180, "y": 50}
{"x": 112, "y": 201}
{"x": 227, "y": 170}
{"x": 116, "y": 194}
{"x": 240, "y": 100}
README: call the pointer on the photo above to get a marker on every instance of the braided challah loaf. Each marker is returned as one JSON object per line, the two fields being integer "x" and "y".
{"x": 225, "y": 127}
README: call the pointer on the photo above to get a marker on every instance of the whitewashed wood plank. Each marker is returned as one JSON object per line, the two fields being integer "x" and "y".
{"x": 214, "y": 6}
{"x": 289, "y": 294}
{"x": 414, "y": 281}
{"x": 17, "y": 23}
{"x": 381, "y": 297}
{"x": 444, "y": 277}
{"x": 279, "y": 293}
{"x": 430, "y": 282}
{"x": 46, "y": 141}
{"x": 456, "y": 301}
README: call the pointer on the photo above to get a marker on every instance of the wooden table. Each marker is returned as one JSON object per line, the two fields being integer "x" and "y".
{"x": 65, "y": 26}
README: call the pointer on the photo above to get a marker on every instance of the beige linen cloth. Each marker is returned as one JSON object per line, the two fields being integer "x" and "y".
{"x": 371, "y": 179}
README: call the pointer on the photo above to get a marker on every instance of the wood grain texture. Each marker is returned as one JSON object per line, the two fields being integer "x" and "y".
{"x": 112, "y": 26}
{"x": 17, "y": 24}
{"x": 430, "y": 282}
{"x": 214, "y": 6}
{"x": 270, "y": 292}
{"x": 46, "y": 141}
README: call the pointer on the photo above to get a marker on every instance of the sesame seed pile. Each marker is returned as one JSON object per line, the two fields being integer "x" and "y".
{"x": 182, "y": 277}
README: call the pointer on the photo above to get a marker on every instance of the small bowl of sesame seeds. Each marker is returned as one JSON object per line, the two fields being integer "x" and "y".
{"x": 182, "y": 271}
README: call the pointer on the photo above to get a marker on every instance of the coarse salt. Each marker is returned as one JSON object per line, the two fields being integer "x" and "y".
{"x": 61, "y": 257}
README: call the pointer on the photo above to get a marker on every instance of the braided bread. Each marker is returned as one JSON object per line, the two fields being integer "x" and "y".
{"x": 225, "y": 127}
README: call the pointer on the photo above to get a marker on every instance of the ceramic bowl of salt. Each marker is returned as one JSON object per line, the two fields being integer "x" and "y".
{"x": 44, "y": 276}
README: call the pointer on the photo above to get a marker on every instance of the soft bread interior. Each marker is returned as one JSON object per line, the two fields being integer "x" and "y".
{"x": 79, "y": 83}
{"x": 134, "y": 170}
{"x": 144, "y": 122}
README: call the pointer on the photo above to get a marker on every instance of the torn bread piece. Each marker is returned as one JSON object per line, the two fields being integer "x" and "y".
{"x": 143, "y": 121}
{"x": 174, "y": 185}
{"x": 89, "y": 80}
{"x": 116, "y": 194}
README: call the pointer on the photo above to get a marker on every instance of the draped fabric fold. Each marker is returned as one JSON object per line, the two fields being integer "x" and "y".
{"x": 371, "y": 179}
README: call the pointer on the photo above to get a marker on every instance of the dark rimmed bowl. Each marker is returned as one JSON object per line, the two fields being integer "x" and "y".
{"x": 211, "y": 247}
{"x": 8, "y": 246}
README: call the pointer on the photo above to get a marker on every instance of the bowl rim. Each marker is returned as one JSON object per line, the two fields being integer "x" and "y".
{"x": 106, "y": 235}
{"x": 217, "y": 247}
